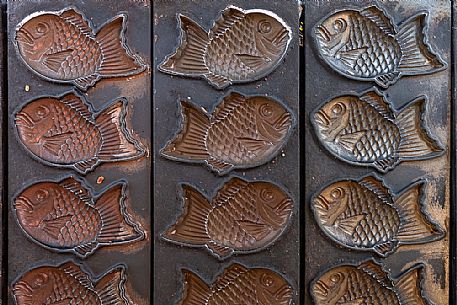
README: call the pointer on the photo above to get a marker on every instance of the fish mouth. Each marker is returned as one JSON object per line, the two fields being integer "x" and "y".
{"x": 24, "y": 36}
{"x": 25, "y": 120}
{"x": 275, "y": 216}
{"x": 321, "y": 203}
{"x": 23, "y": 204}
{"x": 322, "y": 119}
{"x": 283, "y": 122}
{"x": 321, "y": 290}
{"x": 323, "y": 34}
{"x": 280, "y": 38}
{"x": 284, "y": 207}
{"x": 277, "y": 41}
{"x": 23, "y": 290}
{"x": 284, "y": 293}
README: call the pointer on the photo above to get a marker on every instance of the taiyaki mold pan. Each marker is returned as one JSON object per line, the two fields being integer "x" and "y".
{"x": 281, "y": 169}
{"x": 322, "y": 83}
{"x": 24, "y": 85}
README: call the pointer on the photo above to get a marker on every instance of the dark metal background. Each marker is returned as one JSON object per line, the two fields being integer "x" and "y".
{"x": 22, "y": 253}
{"x": 283, "y": 256}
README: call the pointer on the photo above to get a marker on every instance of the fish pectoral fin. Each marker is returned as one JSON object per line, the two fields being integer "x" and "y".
{"x": 54, "y": 61}
{"x": 252, "y": 61}
{"x": 54, "y": 143}
{"x": 349, "y": 140}
{"x": 87, "y": 81}
{"x": 255, "y": 229}
{"x": 349, "y": 58}
{"x": 86, "y": 249}
{"x": 86, "y": 165}
{"x": 220, "y": 167}
{"x": 229, "y": 275}
{"x": 74, "y": 270}
{"x": 218, "y": 81}
{"x": 387, "y": 79}
{"x": 253, "y": 145}
{"x": 221, "y": 252}
{"x": 66, "y": 301}
{"x": 386, "y": 248}
{"x": 386, "y": 164}
{"x": 52, "y": 227}
{"x": 349, "y": 224}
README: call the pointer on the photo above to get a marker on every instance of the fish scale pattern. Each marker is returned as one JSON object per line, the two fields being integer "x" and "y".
{"x": 85, "y": 140}
{"x": 222, "y": 224}
{"x": 220, "y": 57}
{"x": 382, "y": 53}
{"x": 86, "y": 56}
{"x": 381, "y": 222}
{"x": 223, "y": 136}
{"x": 363, "y": 286}
{"x": 381, "y": 138}
{"x": 242, "y": 290}
{"x": 84, "y": 225}
{"x": 67, "y": 287}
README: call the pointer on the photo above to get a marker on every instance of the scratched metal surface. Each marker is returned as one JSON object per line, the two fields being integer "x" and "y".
{"x": 24, "y": 254}
{"x": 282, "y": 83}
{"x": 323, "y": 83}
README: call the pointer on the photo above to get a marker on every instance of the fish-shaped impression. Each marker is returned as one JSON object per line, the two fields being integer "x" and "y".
{"x": 65, "y": 131}
{"x": 69, "y": 284}
{"x": 62, "y": 47}
{"x": 368, "y": 284}
{"x": 242, "y": 46}
{"x": 237, "y": 285}
{"x": 363, "y": 130}
{"x": 242, "y": 132}
{"x": 363, "y": 215}
{"x": 366, "y": 45}
{"x": 65, "y": 216}
{"x": 242, "y": 217}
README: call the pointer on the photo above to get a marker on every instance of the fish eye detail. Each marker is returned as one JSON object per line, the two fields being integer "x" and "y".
{"x": 337, "y": 193}
{"x": 338, "y": 109}
{"x": 267, "y": 280}
{"x": 41, "y": 195}
{"x": 340, "y": 25}
{"x": 41, "y": 279}
{"x": 266, "y": 110}
{"x": 267, "y": 195}
{"x": 264, "y": 27}
{"x": 42, "y": 28}
{"x": 336, "y": 278}
{"x": 42, "y": 112}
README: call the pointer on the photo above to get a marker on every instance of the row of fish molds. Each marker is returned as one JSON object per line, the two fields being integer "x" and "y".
{"x": 55, "y": 214}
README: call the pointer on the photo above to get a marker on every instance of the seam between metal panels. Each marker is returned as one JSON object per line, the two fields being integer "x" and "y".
{"x": 302, "y": 157}
{"x": 453, "y": 209}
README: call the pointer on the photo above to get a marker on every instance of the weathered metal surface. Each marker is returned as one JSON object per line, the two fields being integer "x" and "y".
{"x": 281, "y": 256}
{"x": 322, "y": 167}
{"x": 24, "y": 254}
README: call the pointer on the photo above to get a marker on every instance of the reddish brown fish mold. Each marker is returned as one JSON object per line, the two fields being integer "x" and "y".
{"x": 65, "y": 131}
{"x": 63, "y": 47}
{"x": 368, "y": 284}
{"x": 366, "y": 45}
{"x": 242, "y": 217}
{"x": 242, "y": 46}
{"x": 65, "y": 216}
{"x": 237, "y": 285}
{"x": 362, "y": 129}
{"x": 363, "y": 215}
{"x": 70, "y": 284}
{"x": 242, "y": 132}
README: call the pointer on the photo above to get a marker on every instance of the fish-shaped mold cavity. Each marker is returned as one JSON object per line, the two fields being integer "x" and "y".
{"x": 363, "y": 215}
{"x": 242, "y": 46}
{"x": 369, "y": 284}
{"x": 242, "y": 217}
{"x": 63, "y": 47}
{"x": 362, "y": 129}
{"x": 237, "y": 285}
{"x": 65, "y": 216}
{"x": 69, "y": 283}
{"x": 241, "y": 132}
{"x": 366, "y": 45}
{"x": 66, "y": 131}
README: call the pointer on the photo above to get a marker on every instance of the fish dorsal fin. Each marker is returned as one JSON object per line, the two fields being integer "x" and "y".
{"x": 78, "y": 20}
{"x": 74, "y": 101}
{"x": 379, "y": 17}
{"x": 229, "y": 275}
{"x": 75, "y": 272}
{"x": 228, "y": 104}
{"x": 376, "y": 186}
{"x": 375, "y": 271}
{"x": 229, "y": 190}
{"x": 227, "y": 19}
{"x": 75, "y": 187}
{"x": 378, "y": 102}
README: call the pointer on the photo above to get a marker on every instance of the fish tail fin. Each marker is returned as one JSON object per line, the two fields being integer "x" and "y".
{"x": 415, "y": 227}
{"x": 196, "y": 291}
{"x": 190, "y": 142}
{"x": 191, "y": 226}
{"x": 189, "y": 57}
{"x": 415, "y": 142}
{"x": 117, "y": 57}
{"x": 417, "y": 56}
{"x": 117, "y": 227}
{"x": 111, "y": 288}
{"x": 118, "y": 143}
{"x": 408, "y": 286}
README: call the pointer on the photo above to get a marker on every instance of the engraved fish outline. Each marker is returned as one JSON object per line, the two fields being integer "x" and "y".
{"x": 210, "y": 196}
{"x": 426, "y": 215}
{"x": 84, "y": 269}
{"x": 209, "y": 113}
{"x": 404, "y": 271}
{"x": 123, "y": 40}
{"x": 131, "y": 136}
{"x": 231, "y": 82}
{"x": 137, "y": 226}
{"x": 396, "y": 26}
{"x": 395, "y": 111}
